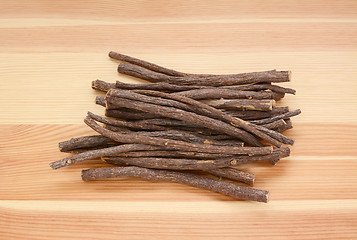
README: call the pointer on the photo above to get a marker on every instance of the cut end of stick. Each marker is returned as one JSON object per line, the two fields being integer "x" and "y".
{"x": 266, "y": 199}
{"x": 57, "y": 164}
{"x": 289, "y": 76}
{"x": 111, "y": 54}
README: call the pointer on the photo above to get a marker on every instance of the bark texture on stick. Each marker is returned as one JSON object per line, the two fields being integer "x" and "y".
{"x": 233, "y": 174}
{"x": 102, "y": 86}
{"x": 212, "y": 80}
{"x": 190, "y": 117}
{"x": 169, "y": 163}
{"x": 226, "y": 188}
{"x": 174, "y": 144}
{"x": 207, "y": 110}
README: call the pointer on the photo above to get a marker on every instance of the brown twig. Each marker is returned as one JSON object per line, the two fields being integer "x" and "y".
{"x": 84, "y": 142}
{"x": 255, "y": 115}
{"x": 214, "y": 93}
{"x": 111, "y": 151}
{"x": 215, "y": 80}
{"x": 214, "y": 166}
{"x": 145, "y": 64}
{"x": 275, "y": 118}
{"x": 100, "y": 101}
{"x": 226, "y": 188}
{"x": 233, "y": 160}
{"x": 102, "y": 85}
{"x": 233, "y": 174}
{"x": 128, "y": 114}
{"x": 285, "y": 127}
{"x": 262, "y": 86}
{"x": 169, "y": 163}
{"x": 242, "y": 104}
{"x": 167, "y": 87}
{"x": 131, "y": 125}
{"x": 276, "y": 124}
{"x": 170, "y": 154}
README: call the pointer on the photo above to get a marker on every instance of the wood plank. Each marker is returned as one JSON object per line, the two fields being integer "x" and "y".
{"x": 26, "y": 151}
{"x": 328, "y": 219}
{"x": 163, "y": 11}
{"x": 221, "y": 37}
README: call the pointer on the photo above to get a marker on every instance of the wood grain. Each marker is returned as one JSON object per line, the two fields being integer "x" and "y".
{"x": 52, "y": 50}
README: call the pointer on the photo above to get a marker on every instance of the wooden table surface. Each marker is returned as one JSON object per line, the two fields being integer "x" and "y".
{"x": 50, "y": 51}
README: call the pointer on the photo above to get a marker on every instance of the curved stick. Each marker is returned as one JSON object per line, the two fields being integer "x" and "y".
{"x": 226, "y": 188}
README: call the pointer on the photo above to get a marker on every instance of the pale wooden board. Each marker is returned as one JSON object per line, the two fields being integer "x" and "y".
{"x": 51, "y": 51}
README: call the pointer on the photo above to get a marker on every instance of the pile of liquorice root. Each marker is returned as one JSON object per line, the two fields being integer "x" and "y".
{"x": 195, "y": 129}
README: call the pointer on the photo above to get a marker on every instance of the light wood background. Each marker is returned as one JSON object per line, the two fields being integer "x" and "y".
{"x": 50, "y": 51}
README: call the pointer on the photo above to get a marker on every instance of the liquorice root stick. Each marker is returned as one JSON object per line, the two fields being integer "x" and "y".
{"x": 84, "y": 142}
{"x": 200, "y": 108}
{"x": 126, "y": 114}
{"x": 102, "y": 85}
{"x": 275, "y": 118}
{"x": 174, "y": 144}
{"x": 233, "y": 160}
{"x": 190, "y": 117}
{"x": 226, "y": 188}
{"x": 111, "y": 151}
{"x": 179, "y": 135}
{"x": 285, "y": 127}
{"x": 215, "y": 167}
{"x": 242, "y": 104}
{"x": 169, "y": 154}
{"x": 159, "y": 86}
{"x": 167, "y": 87}
{"x": 276, "y": 135}
{"x": 233, "y": 174}
{"x": 264, "y": 86}
{"x": 145, "y": 64}
{"x": 169, "y": 163}
{"x": 100, "y": 101}
{"x": 276, "y": 124}
{"x": 256, "y": 115}
{"x": 215, "y": 80}
{"x": 132, "y": 125}
{"x": 214, "y": 93}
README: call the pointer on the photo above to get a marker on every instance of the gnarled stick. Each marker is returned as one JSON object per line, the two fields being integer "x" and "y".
{"x": 226, "y": 188}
